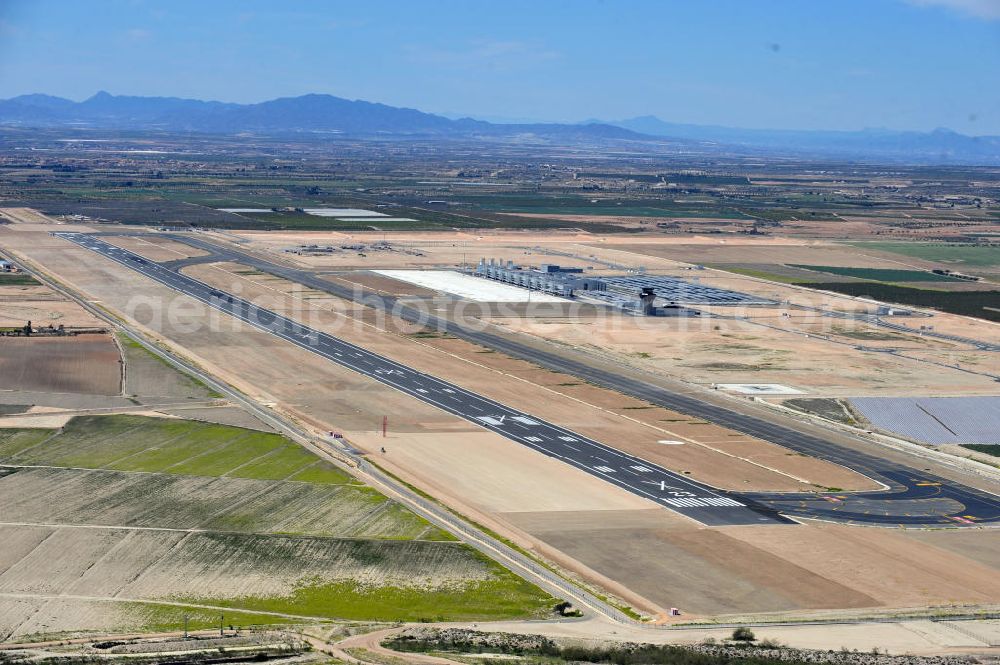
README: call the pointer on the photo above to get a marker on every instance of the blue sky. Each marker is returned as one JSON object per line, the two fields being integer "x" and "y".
{"x": 798, "y": 64}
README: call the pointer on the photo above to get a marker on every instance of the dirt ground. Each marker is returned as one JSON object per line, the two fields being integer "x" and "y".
{"x": 534, "y": 499}
{"x": 25, "y": 216}
{"x": 737, "y": 570}
{"x": 80, "y": 364}
{"x": 385, "y": 285}
{"x": 913, "y": 637}
{"x": 771, "y": 348}
{"x": 924, "y": 571}
{"x": 38, "y": 304}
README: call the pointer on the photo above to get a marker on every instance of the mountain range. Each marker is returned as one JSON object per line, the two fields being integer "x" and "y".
{"x": 941, "y": 145}
{"x": 326, "y": 114}
{"x": 308, "y": 113}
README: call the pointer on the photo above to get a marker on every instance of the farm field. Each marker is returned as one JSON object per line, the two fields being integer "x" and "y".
{"x": 980, "y": 304}
{"x": 149, "y": 377}
{"x": 77, "y": 364}
{"x": 166, "y": 445}
{"x": 38, "y": 304}
{"x": 133, "y": 510}
{"x": 323, "y": 578}
{"x": 17, "y": 279}
{"x": 984, "y": 258}
{"x": 880, "y": 274}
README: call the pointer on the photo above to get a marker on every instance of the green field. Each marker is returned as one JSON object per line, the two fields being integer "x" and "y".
{"x": 880, "y": 274}
{"x": 981, "y": 304}
{"x": 759, "y": 274}
{"x": 257, "y": 504}
{"x": 507, "y": 597}
{"x": 612, "y": 209}
{"x": 17, "y": 279}
{"x": 988, "y": 448}
{"x": 956, "y": 255}
{"x": 139, "y": 443}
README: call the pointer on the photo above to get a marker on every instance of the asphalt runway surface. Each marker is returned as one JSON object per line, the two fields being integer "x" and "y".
{"x": 671, "y": 490}
{"x": 916, "y": 498}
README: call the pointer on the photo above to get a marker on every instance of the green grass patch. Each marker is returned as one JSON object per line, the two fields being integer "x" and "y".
{"x": 880, "y": 274}
{"x": 505, "y": 596}
{"x": 140, "y": 443}
{"x": 287, "y": 461}
{"x": 760, "y": 274}
{"x": 321, "y": 473}
{"x": 987, "y": 448}
{"x": 962, "y": 255}
{"x": 13, "y": 441}
{"x": 17, "y": 279}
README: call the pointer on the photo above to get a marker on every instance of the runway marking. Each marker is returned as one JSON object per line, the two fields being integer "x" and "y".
{"x": 686, "y": 503}
{"x": 532, "y": 438}
{"x": 326, "y": 346}
{"x": 721, "y": 501}
{"x": 643, "y": 469}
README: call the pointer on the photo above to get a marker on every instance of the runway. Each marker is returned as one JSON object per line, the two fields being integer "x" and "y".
{"x": 916, "y": 497}
{"x": 666, "y": 488}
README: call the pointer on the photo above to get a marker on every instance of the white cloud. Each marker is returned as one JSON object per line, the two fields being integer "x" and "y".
{"x": 985, "y": 9}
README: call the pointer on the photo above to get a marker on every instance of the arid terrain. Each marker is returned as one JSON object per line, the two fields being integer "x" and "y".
{"x": 644, "y": 555}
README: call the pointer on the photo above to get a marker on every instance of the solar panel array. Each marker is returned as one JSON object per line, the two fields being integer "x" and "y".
{"x": 935, "y": 420}
{"x": 677, "y": 290}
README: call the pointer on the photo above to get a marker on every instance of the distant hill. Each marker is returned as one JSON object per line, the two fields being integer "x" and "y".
{"x": 326, "y": 114}
{"x": 941, "y": 146}
{"x": 308, "y": 113}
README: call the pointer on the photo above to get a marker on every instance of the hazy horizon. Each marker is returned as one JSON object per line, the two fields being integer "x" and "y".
{"x": 850, "y": 65}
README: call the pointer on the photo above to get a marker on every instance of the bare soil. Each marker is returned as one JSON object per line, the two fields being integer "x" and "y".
{"x": 38, "y": 304}
{"x": 78, "y": 364}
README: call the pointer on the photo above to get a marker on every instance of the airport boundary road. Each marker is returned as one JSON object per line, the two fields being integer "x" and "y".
{"x": 917, "y": 498}
{"x": 664, "y": 487}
